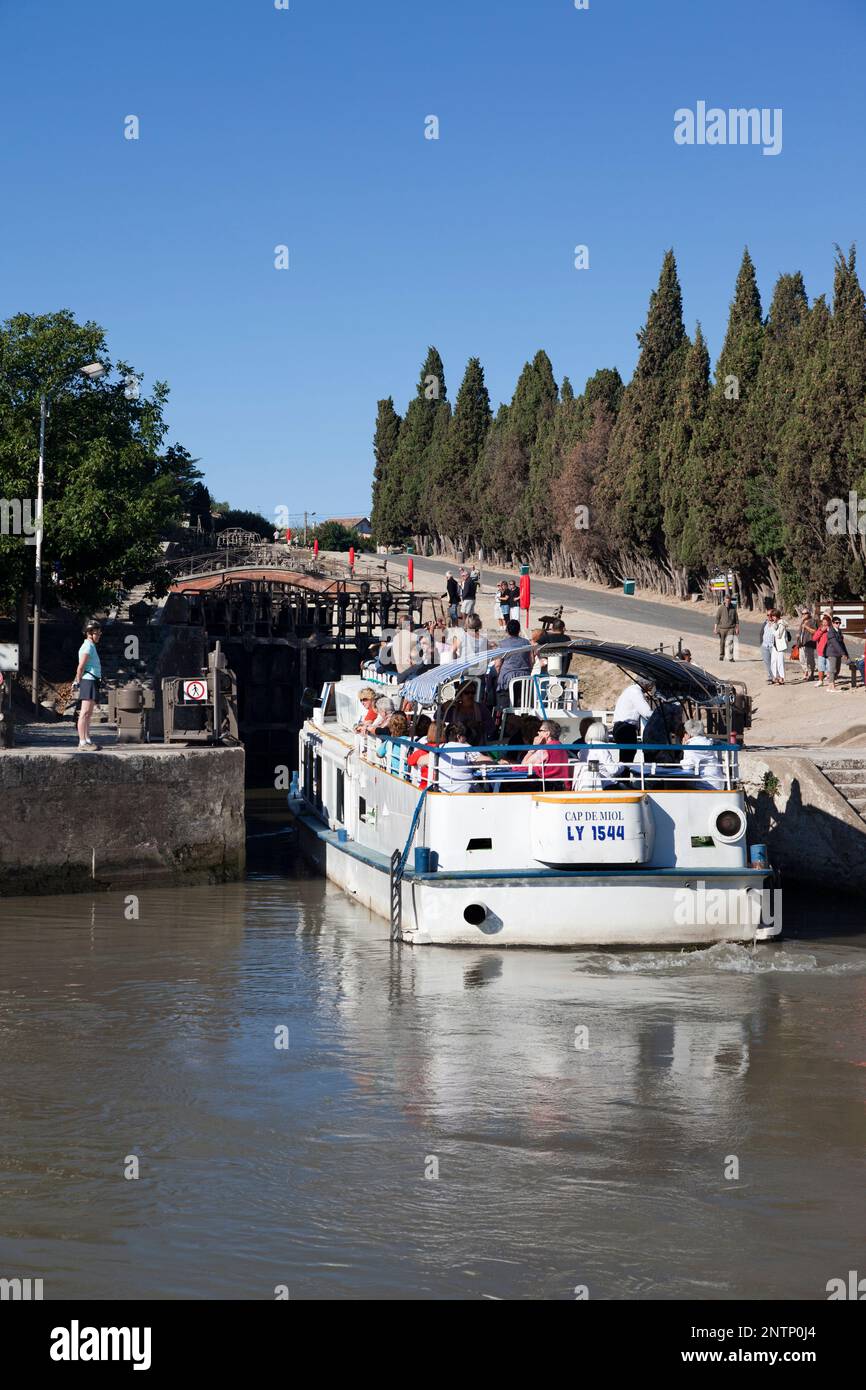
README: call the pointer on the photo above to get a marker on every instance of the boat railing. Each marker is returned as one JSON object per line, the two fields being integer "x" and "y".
{"x": 587, "y": 767}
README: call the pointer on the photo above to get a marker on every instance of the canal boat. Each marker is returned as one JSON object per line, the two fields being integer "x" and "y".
{"x": 505, "y": 854}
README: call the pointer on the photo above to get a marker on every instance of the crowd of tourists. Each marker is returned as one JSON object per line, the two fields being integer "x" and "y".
{"x": 815, "y": 642}
{"x": 479, "y": 739}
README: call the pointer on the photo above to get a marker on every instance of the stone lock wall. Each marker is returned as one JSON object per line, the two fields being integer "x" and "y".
{"x": 75, "y": 821}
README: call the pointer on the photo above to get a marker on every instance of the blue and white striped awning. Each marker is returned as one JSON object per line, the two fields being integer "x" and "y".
{"x": 424, "y": 688}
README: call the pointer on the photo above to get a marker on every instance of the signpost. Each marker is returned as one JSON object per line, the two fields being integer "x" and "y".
{"x": 195, "y": 692}
{"x": 525, "y": 592}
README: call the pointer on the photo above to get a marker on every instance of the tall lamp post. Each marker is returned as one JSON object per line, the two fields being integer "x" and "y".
{"x": 91, "y": 371}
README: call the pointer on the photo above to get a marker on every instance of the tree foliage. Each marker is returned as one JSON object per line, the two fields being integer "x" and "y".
{"x": 111, "y": 487}
{"x": 679, "y": 472}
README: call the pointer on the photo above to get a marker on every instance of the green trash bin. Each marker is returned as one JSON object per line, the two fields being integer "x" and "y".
{"x": 628, "y": 586}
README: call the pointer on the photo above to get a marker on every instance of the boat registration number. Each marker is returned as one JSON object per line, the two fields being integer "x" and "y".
{"x": 599, "y": 832}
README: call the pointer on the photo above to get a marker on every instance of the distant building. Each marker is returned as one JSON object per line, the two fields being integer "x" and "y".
{"x": 361, "y": 524}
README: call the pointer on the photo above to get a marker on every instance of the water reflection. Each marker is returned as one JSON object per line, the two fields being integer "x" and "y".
{"x": 579, "y": 1107}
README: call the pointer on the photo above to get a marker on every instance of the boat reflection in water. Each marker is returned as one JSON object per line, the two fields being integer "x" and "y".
{"x": 443, "y": 1124}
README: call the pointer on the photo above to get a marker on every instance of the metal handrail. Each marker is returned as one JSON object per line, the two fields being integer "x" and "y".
{"x": 727, "y": 754}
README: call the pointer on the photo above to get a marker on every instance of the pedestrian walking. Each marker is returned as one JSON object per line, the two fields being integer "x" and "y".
{"x": 514, "y": 601}
{"x": 834, "y": 651}
{"x": 822, "y": 632}
{"x": 806, "y": 644}
{"x": 468, "y": 590}
{"x": 452, "y": 593}
{"x": 727, "y": 627}
{"x": 503, "y": 599}
{"x": 87, "y": 678}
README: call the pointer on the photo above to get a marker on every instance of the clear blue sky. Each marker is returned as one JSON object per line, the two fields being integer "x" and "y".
{"x": 306, "y": 127}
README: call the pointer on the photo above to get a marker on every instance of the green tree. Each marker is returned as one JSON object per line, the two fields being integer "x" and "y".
{"x": 448, "y": 501}
{"x": 682, "y": 518}
{"x": 233, "y": 517}
{"x": 505, "y": 468}
{"x": 333, "y": 535}
{"x": 770, "y": 407}
{"x": 720, "y": 480}
{"x": 403, "y": 488}
{"x": 384, "y": 447}
{"x": 629, "y": 504}
{"x": 110, "y": 489}
{"x": 824, "y": 443}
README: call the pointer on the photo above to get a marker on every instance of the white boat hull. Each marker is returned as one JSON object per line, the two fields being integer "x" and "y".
{"x": 628, "y": 908}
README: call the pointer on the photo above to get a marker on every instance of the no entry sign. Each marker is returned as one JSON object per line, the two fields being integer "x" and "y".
{"x": 195, "y": 692}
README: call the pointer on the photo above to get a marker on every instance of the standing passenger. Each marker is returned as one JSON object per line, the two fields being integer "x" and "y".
{"x": 631, "y": 711}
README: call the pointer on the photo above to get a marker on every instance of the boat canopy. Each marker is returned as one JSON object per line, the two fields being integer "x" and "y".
{"x": 425, "y": 688}
{"x": 674, "y": 680}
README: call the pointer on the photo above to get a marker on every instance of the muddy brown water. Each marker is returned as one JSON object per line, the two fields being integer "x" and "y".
{"x": 435, "y": 1127}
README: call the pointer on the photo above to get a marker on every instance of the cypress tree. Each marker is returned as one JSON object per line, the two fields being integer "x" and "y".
{"x": 768, "y": 411}
{"x": 719, "y": 481}
{"x": 682, "y": 519}
{"x": 629, "y": 497}
{"x": 448, "y": 502}
{"x": 384, "y": 446}
{"x": 824, "y": 444}
{"x": 405, "y": 484}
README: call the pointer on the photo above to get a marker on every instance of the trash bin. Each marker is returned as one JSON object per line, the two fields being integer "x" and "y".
{"x": 628, "y": 586}
{"x": 425, "y": 860}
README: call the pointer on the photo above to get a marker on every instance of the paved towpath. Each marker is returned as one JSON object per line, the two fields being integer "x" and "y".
{"x": 695, "y": 620}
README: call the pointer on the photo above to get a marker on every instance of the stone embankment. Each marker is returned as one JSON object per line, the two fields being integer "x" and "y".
{"x": 73, "y": 821}
{"x": 809, "y": 807}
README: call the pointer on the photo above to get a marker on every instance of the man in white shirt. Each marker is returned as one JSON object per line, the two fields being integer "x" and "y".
{"x": 631, "y": 711}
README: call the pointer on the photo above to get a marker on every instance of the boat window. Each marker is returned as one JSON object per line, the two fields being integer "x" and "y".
{"x": 317, "y": 780}
{"x": 341, "y": 784}
{"x": 481, "y": 843}
{"x": 329, "y": 703}
{"x": 362, "y": 808}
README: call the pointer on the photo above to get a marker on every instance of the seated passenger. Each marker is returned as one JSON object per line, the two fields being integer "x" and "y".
{"x": 698, "y": 760}
{"x": 603, "y": 765}
{"x": 550, "y": 756}
{"x": 385, "y": 707}
{"x": 367, "y": 697}
{"x": 512, "y": 657}
{"x": 467, "y": 710}
{"x": 554, "y": 663}
{"x": 665, "y": 725}
{"x": 422, "y": 759}
{"x": 398, "y": 727}
{"x": 457, "y": 759}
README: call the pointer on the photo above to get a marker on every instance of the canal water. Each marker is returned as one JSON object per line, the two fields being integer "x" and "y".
{"x": 441, "y": 1123}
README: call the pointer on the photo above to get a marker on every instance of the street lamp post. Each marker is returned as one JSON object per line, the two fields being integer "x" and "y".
{"x": 91, "y": 371}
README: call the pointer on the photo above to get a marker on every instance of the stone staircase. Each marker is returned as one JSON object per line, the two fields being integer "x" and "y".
{"x": 847, "y": 773}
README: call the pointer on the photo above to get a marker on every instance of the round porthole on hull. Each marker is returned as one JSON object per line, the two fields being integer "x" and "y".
{"x": 729, "y": 825}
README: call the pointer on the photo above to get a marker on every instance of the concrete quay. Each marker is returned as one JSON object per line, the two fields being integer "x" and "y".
{"x": 124, "y": 816}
